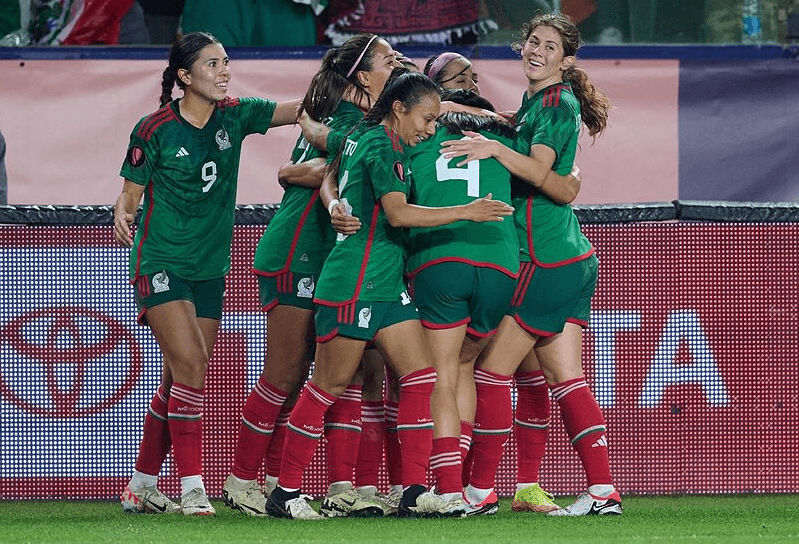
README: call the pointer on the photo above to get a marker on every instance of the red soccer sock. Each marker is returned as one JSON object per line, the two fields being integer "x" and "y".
{"x": 393, "y": 451}
{"x": 256, "y": 428}
{"x": 305, "y": 427}
{"x": 492, "y": 425}
{"x": 531, "y": 424}
{"x": 370, "y": 450}
{"x": 274, "y": 453}
{"x": 185, "y": 427}
{"x": 343, "y": 434}
{"x": 445, "y": 462}
{"x": 586, "y": 427}
{"x": 415, "y": 425}
{"x": 156, "y": 440}
{"x": 467, "y": 457}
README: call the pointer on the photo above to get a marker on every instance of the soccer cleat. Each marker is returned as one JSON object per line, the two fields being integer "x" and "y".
{"x": 533, "y": 499}
{"x": 283, "y": 504}
{"x": 389, "y": 502}
{"x": 350, "y": 504}
{"x": 486, "y": 507}
{"x": 147, "y": 500}
{"x": 591, "y": 505}
{"x": 455, "y": 508}
{"x": 246, "y": 498}
{"x": 417, "y": 502}
{"x": 196, "y": 503}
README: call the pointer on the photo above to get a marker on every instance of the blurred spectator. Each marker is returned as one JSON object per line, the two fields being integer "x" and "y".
{"x": 288, "y": 23}
{"x": 3, "y": 176}
{"x": 9, "y": 17}
{"x": 162, "y": 18}
{"x": 132, "y": 29}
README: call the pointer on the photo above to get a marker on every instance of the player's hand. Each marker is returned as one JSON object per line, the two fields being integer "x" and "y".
{"x": 486, "y": 209}
{"x": 343, "y": 222}
{"x": 474, "y": 147}
{"x": 122, "y": 233}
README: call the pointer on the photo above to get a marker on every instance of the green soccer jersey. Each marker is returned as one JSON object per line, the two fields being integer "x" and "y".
{"x": 299, "y": 237}
{"x": 190, "y": 176}
{"x": 549, "y": 233}
{"x": 437, "y": 182}
{"x": 369, "y": 264}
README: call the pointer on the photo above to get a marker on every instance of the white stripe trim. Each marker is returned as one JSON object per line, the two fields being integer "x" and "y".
{"x": 319, "y": 396}
{"x": 270, "y": 396}
{"x": 561, "y": 392}
{"x": 187, "y": 396}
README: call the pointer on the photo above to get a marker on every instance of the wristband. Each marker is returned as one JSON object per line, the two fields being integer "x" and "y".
{"x": 332, "y": 203}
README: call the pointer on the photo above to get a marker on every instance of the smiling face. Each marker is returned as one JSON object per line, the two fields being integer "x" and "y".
{"x": 384, "y": 60}
{"x": 417, "y": 123}
{"x": 209, "y": 75}
{"x": 543, "y": 58}
{"x": 459, "y": 74}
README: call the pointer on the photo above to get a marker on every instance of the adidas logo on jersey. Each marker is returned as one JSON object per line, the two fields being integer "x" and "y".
{"x": 601, "y": 443}
{"x": 182, "y": 152}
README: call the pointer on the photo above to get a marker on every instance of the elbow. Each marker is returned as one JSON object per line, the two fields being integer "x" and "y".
{"x": 395, "y": 221}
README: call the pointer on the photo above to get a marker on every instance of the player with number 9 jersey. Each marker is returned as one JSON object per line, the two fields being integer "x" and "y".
{"x": 190, "y": 175}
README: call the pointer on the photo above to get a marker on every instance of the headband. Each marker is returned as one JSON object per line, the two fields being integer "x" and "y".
{"x": 442, "y": 60}
{"x": 360, "y": 57}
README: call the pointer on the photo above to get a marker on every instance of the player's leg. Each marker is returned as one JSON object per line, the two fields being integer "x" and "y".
{"x": 531, "y": 429}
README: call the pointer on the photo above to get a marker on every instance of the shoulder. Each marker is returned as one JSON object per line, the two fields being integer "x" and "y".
{"x": 559, "y": 97}
{"x": 150, "y": 124}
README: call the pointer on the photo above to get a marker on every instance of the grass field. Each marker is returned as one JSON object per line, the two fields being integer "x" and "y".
{"x": 737, "y": 518}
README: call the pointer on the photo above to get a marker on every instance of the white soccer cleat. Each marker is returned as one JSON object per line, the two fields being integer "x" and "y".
{"x": 591, "y": 505}
{"x": 147, "y": 500}
{"x": 246, "y": 498}
{"x": 389, "y": 502}
{"x": 419, "y": 503}
{"x": 351, "y": 504}
{"x": 290, "y": 505}
{"x": 196, "y": 503}
{"x": 486, "y": 507}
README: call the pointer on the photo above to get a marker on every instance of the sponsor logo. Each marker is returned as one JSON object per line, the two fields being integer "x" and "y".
{"x": 304, "y": 257}
{"x": 135, "y": 156}
{"x": 160, "y": 282}
{"x": 364, "y": 317}
{"x": 222, "y": 139}
{"x": 305, "y": 288}
{"x": 399, "y": 171}
{"x": 182, "y": 152}
{"x": 601, "y": 443}
{"x": 67, "y": 349}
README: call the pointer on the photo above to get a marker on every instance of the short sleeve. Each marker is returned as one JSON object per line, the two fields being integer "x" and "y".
{"x": 140, "y": 158}
{"x": 555, "y": 126}
{"x": 387, "y": 170}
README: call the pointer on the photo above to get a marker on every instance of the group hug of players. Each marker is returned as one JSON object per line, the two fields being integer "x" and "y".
{"x": 424, "y": 256}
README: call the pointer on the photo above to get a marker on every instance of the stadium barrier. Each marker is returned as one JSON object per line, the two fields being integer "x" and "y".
{"x": 692, "y": 353}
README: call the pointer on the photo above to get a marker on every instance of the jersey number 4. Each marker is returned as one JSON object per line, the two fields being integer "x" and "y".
{"x": 470, "y": 173}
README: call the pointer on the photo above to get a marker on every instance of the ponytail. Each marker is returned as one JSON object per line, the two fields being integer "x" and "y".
{"x": 167, "y": 83}
{"x": 183, "y": 54}
{"x": 594, "y": 104}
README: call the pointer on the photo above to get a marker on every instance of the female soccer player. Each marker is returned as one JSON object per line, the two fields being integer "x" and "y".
{"x": 361, "y": 295}
{"x": 288, "y": 261}
{"x": 559, "y": 268}
{"x": 452, "y": 71}
{"x": 184, "y": 159}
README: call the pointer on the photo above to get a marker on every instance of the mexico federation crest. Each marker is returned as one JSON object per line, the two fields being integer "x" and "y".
{"x": 160, "y": 282}
{"x": 222, "y": 139}
{"x": 364, "y": 317}
{"x": 305, "y": 288}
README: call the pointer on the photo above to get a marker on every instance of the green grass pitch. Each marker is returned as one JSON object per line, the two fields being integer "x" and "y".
{"x": 723, "y": 518}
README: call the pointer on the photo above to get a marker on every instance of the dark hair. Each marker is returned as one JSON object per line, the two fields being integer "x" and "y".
{"x": 330, "y": 84}
{"x": 183, "y": 54}
{"x": 457, "y": 121}
{"x": 467, "y": 98}
{"x": 594, "y": 105}
{"x": 403, "y": 85}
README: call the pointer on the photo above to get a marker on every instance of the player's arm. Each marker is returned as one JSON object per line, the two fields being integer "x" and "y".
{"x": 401, "y": 214}
{"x": 305, "y": 174}
{"x": 535, "y": 168}
{"x": 340, "y": 219}
{"x": 285, "y": 113}
{"x": 125, "y": 211}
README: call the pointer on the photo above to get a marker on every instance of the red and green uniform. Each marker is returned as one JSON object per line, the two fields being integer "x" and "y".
{"x": 190, "y": 176}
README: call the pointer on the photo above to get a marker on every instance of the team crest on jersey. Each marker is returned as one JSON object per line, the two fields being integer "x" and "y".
{"x": 305, "y": 288}
{"x": 160, "y": 282}
{"x": 135, "y": 156}
{"x": 399, "y": 171}
{"x": 222, "y": 139}
{"x": 364, "y": 317}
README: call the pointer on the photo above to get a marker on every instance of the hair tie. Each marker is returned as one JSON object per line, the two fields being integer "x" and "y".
{"x": 358, "y": 60}
{"x": 442, "y": 60}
